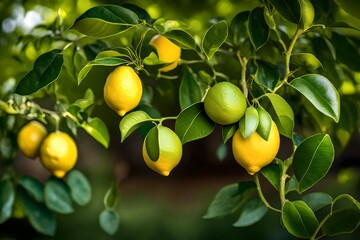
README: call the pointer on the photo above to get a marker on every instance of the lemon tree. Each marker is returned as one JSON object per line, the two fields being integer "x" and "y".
{"x": 276, "y": 72}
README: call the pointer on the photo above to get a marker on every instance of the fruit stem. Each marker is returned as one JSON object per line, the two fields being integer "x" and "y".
{"x": 243, "y": 62}
{"x": 284, "y": 166}
{"x": 261, "y": 194}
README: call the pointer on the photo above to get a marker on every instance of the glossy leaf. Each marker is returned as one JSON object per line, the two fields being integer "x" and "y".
{"x": 107, "y": 61}
{"x": 317, "y": 200}
{"x": 249, "y": 123}
{"x": 140, "y": 12}
{"x": 320, "y": 92}
{"x": 193, "y": 123}
{"x": 80, "y": 188}
{"x": 306, "y": 60}
{"x": 46, "y": 70}
{"x": 272, "y": 173}
{"x": 105, "y": 21}
{"x": 346, "y": 51}
{"x": 345, "y": 220}
{"x": 283, "y": 115}
{"x": 312, "y": 160}
{"x": 57, "y": 196}
{"x": 258, "y": 29}
{"x": 7, "y": 198}
{"x": 289, "y": 9}
{"x": 239, "y": 28}
{"x": 214, "y": 37}
{"x": 152, "y": 144}
{"x": 267, "y": 74}
{"x": 190, "y": 90}
{"x": 181, "y": 38}
{"x": 40, "y": 217}
{"x": 96, "y": 128}
{"x": 350, "y": 7}
{"x": 228, "y": 131}
{"x": 109, "y": 221}
{"x": 299, "y": 219}
{"x": 252, "y": 211}
{"x": 265, "y": 123}
{"x": 164, "y": 25}
{"x": 132, "y": 121}
{"x": 229, "y": 199}
{"x": 33, "y": 187}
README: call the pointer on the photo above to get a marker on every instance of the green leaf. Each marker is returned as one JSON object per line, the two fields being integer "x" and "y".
{"x": 41, "y": 218}
{"x": 229, "y": 199}
{"x": 87, "y": 101}
{"x": 320, "y": 92}
{"x": 7, "y": 198}
{"x": 267, "y": 74}
{"x": 299, "y": 219}
{"x": 289, "y": 9}
{"x": 306, "y": 60}
{"x": 111, "y": 199}
{"x": 80, "y": 188}
{"x": 193, "y": 123}
{"x": 214, "y": 37}
{"x": 109, "y": 221}
{"x": 272, "y": 173}
{"x": 239, "y": 28}
{"x": 46, "y": 70}
{"x": 105, "y": 21}
{"x": 33, "y": 187}
{"x": 190, "y": 90}
{"x": 317, "y": 200}
{"x": 152, "y": 144}
{"x": 228, "y": 131}
{"x": 96, "y": 128}
{"x": 249, "y": 123}
{"x": 181, "y": 38}
{"x": 221, "y": 151}
{"x": 258, "y": 29}
{"x": 265, "y": 123}
{"x": 345, "y": 220}
{"x": 312, "y": 160}
{"x": 106, "y": 61}
{"x": 132, "y": 121}
{"x": 283, "y": 115}
{"x": 142, "y": 13}
{"x": 350, "y": 7}
{"x": 291, "y": 185}
{"x": 164, "y": 25}
{"x": 253, "y": 211}
{"x": 57, "y": 196}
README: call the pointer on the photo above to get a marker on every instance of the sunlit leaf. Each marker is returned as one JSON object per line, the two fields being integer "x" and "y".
{"x": 131, "y": 122}
{"x": 181, "y": 38}
{"x": 214, "y": 37}
{"x": 249, "y": 123}
{"x": 228, "y": 131}
{"x": 163, "y": 25}
{"x": 265, "y": 123}
{"x": 306, "y": 60}
{"x": 96, "y": 128}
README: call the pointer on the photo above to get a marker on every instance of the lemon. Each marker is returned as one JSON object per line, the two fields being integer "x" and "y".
{"x": 254, "y": 152}
{"x": 225, "y": 103}
{"x": 123, "y": 90}
{"x": 170, "y": 151}
{"x": 30, "y": 137}
{"x": 58, "y": 153}
{"x": 168, "y": 52}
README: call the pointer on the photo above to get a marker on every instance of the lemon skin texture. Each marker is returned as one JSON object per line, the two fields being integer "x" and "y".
{"x": 30, "y": 138}
{"x": 225, "y": 103}
{"x": 254, "y": 152}
{"x": 170, "y": 152}
{"x": 167, "y": 52}
{"x": 123, "y": 90}
{"x": 58, "y": 153}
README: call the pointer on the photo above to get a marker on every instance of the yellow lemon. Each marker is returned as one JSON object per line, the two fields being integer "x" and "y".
{"x": 58, "y": 153}
{"x": 224, "y": 103}
{"x": 170, "y": 151}
{"x": 254, "y": 152}
{"x": 123, "y": 90}
{"x": 167, "y": 51}
{"x": 30, "y": 138}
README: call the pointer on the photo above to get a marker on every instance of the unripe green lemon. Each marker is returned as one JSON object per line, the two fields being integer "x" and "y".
{"x": 30, "y": 138}
{"x": 225, "y": 103}
{"x": 170, "y": 151}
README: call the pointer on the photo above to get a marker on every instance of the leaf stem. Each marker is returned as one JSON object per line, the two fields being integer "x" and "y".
{"x": 261, "y": 194}
{"x": 243, "y": 62}
{"x": 284, "y": 166}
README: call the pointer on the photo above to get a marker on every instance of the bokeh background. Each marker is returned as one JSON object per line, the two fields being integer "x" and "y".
{"x": 152, "y": 206}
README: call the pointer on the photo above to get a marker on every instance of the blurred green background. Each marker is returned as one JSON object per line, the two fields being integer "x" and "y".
{"x": 152, "y": 206}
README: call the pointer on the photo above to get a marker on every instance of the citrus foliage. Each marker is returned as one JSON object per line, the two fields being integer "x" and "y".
{"x": 288, "y": 60}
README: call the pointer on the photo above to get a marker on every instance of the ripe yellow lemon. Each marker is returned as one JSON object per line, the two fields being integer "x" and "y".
{"x": 58, "y": 153}
{"x": 170, "y": 151}
{"x": 123, "y": 90}
{"x": 254, "y": 152}
{"x": 30, "y": 138}
{"x": 224, "y": 103}
{"x": 167, "y": 52}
